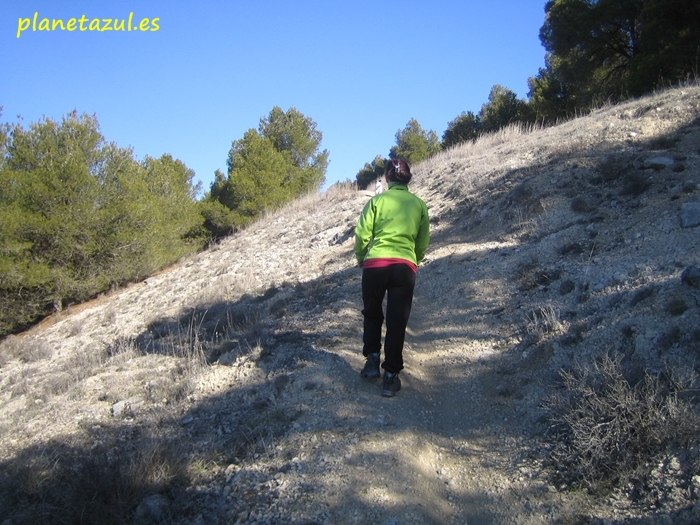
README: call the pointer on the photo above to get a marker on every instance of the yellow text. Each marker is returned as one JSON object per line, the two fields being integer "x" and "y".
{"x": 87, "y": 24}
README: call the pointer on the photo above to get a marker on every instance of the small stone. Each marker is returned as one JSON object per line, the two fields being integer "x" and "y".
{"x": 696, "y": 508}
{"x": 690, "y": 215}
{"x": 152, "y": 509}
{"x": 691, "y": 276}
{"x": 689, "y": 186}
{"x": 126, "y": 407}
{"x": 602, "y": 285}
{"x": 567, "y": 286}
{"x": 659, "y": 163}
{"x": 592, "y": 230}
{"x": 228, "y": 359}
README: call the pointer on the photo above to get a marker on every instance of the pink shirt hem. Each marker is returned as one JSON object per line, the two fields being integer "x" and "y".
{"x": 384, "y": 262}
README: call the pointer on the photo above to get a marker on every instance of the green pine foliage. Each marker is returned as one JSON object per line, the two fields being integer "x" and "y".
{"x": 669, "y": 44}
{"x": 549, "y": 98}
{"x": 267, "y": 168}
{"x": 502, "y": 109}
{"x": 259, "y": 177}
{"x": 465, "y": 127}
{"x": 219, "y": 218}
{"x": 295, "y": 136}
{"x": 414, "y": 144}
{"x": 80, "y": 215}
{"x": 609, "y": 50}
{"x": 370, "y": 172}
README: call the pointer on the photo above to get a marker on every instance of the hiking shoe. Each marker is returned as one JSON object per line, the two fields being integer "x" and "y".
{"x": 371, "y": 369}
{"x": 391, "y": 384}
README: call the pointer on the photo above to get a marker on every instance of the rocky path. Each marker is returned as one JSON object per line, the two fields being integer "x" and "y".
{"x": 456, "y": 445}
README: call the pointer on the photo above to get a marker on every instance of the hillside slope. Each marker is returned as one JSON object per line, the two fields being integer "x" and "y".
{"x": 227, "y": 390}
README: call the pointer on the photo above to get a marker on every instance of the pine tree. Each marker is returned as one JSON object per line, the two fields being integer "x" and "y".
{"x": 267, "y": 168}
{"x": 413, "y": 144}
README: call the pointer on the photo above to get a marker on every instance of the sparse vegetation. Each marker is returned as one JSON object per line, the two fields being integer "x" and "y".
{"x": 227, "y": 385}
{"x": 81, "y": 215}
{"x": 610, "y": 431}
{"x": 635, "y": 184}
{"x": 61, "y": 485}
{"x": 612, "y": 169}
{"x": 530, "y": 274}
{"x": 543, "y": 321}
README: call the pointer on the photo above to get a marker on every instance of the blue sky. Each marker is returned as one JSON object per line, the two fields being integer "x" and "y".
{"x": 360, "y": 69}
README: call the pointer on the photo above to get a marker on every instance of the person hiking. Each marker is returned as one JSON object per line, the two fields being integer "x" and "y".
{"x": 378, "y": 188}
{"x": 391, "y": 237}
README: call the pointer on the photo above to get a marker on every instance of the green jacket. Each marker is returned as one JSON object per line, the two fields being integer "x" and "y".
{"x": 394, "y": 224}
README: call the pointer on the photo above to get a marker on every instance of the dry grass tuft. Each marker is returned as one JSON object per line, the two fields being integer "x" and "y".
{"x": 543, "y": 321}
{"x": 24, "y": 350}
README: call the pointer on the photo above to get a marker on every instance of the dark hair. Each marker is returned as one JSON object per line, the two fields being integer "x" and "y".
{"x": 397, "y": 170}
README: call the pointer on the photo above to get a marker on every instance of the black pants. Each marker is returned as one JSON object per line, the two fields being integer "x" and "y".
{"x": 398, "y": 280}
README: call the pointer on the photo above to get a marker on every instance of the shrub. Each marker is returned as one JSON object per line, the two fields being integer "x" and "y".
{"x": 611, "y": 169}
{"x": 608, "y": 430}
{"x": 635, "y": 184}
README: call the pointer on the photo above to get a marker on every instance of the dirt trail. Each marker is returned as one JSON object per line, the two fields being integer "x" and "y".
{"x": 443, "y": 450}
